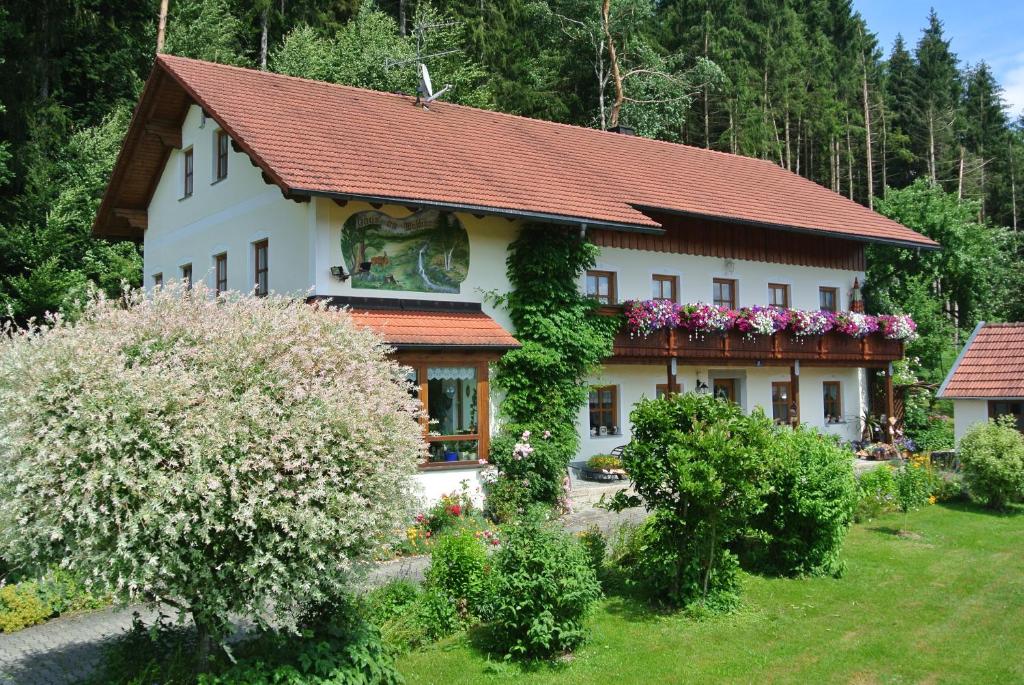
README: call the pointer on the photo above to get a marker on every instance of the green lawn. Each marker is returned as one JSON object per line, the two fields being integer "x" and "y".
{"x": 945, "y": 608}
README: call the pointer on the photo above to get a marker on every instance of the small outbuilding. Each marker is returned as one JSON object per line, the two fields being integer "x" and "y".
{"x": 987, "y": 379}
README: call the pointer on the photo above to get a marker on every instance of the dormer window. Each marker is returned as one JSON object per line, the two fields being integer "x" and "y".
{"x": 189, "y": 169}
{"x": 221, "y": 171}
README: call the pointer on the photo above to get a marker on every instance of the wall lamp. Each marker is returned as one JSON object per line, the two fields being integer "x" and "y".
{"x": 702, "y": 387}
{"x": 339, "y": 273}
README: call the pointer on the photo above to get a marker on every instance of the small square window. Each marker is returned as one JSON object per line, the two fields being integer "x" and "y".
{"x": 724, "y": 293}
{"x": 664, "y": 287}
{"x": 778, "y": 294}
{"x": 828, "y": 299}
{"x": 601, "y": 286}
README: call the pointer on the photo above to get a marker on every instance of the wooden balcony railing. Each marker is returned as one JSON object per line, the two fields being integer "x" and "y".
{"x": 735, "y": 348}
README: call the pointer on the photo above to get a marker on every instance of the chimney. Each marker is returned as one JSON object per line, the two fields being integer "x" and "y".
{"x": 624, "y": 130}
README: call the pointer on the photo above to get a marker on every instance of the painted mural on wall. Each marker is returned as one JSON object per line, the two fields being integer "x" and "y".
{"x": 427, "y": 251}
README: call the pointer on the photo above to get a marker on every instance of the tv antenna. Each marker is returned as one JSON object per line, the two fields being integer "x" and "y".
{"x": 425, "y": 89}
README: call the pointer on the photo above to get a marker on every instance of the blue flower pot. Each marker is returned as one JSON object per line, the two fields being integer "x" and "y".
{"x": 451, "y": 456}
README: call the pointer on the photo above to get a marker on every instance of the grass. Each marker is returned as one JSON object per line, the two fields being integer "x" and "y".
{"x": 943, "y": 606}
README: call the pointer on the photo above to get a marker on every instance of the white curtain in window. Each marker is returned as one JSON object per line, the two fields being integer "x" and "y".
{"x": 451, "y": 373}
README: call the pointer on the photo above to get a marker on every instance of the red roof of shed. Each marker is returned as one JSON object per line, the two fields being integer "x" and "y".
{"x": 991, "y": 364}
{"x": 404, "y": 328}
{"x": 311, "y": 137}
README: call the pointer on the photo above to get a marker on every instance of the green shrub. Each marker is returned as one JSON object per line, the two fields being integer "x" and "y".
{"x": 808, "y": 508}
{"x": 596, "y": 547}
{"x": 161, "y": 653}
{"x": 936, "y": 434}
{"x": 63, "y": 592}
{"x": 22, "y": 605}
{"x": 604, "y": 462}
{"x": 876, "y": 493}
{"x": 541, "y": 467}
{"x": 409, "y": 617}
{"x": 992, "y": 459}
{"x": 390, "y": 601}
{"x": 699, "y": 464}
{"x": 914, "y": 484}
{"x": 459, "y": 569}
{"x": 544, "y": 588}
{"x": 506, "y": 499}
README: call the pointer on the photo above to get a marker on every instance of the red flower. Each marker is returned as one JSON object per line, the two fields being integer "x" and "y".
{"x": 455, "y": 510}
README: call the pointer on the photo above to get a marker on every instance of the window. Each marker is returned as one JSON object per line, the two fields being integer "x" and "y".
{"x": 828, "y": 299}
{"x": 778, "y": 294}
{"x": 601, "y": 286}
{"x": 455, "y": 398}
{"x": 260, "y": 264}
{"x": 782, "y": 407}
{"x": 186, "y": 275}
{"x": 832, "y": 397}
{"x": 220, "y": 272}
{"x": 158, "y": 279}
{"x": 604, "y": 410}
{"x": 222, "y": 156}
{"x": 664, "y": 287}
{"x": 724, "y": 294}
{"x": 725, "y": 389}
{"x": 189, "y": 174}
{"x": 661, "y": 390}
{"x": 1015, "y": 409}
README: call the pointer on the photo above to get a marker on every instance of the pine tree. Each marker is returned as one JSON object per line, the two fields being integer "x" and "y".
{"x": 937, "y": 97}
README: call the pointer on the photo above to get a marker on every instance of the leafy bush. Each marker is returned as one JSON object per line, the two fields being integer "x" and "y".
{"x": 604, "y": 462}
{"x": 699, "y": 464}
{"x": 937, "y": 434}
{"x": 536, "y": 459}
{"x": 544, "y": 588}
{"x": 506, "y": 498}
{"x": 391, "y": 600}
{"x": 181, "y": 444}
{"x": 876, "y": 493}
{"x": 914, "y": 484}
{"x": 992, "y": 459}
{"x": 596, "y": 547}
{"x": 21, "y": 605}
{"x": 409, "y": 616}
{"x": 460, "y": 570}
{"x": 808, "y": 508}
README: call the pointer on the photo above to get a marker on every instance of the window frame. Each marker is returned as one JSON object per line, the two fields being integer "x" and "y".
{"x": 672, "y": 281}
{"x": 158, "y": 279}
{"x": 188, "y": 174}
{"x": 773, "y": 288}
{"x": 732, "y": 383}
{"x": 613, "y": 411}
{"x": 611, "y": 276}
{"x": 838, "y": 401}
{"x": 264, "y": 247}
{"x": 734, "y": 292}
{"x": 222, "y": 142}
{"x": 834, "y": 292}
{"x": 420, "y": 363}
{"x": 186, "y": 275}
{"x": 787, "y": 419}
{"x": 220, "y": 285}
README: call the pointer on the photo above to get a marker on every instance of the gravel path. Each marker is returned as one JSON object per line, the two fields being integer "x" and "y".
{"x": 67, "y": 649}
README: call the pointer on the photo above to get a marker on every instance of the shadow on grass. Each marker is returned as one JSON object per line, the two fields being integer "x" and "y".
{"x": 966, "y": 506}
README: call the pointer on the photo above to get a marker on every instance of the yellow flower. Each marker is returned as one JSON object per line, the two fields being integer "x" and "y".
{"x": 932, "y": 499}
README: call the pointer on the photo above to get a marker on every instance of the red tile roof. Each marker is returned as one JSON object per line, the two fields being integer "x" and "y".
{"x": 318, "y": 138}
{"x": 404, "y": 328}
{"x": 991, "y": 364}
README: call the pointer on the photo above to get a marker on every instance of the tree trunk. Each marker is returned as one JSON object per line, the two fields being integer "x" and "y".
{"x": 204, "y": 643}
{"x": 707, "y": 115}
{"x": 1013, "y": 187}
{"x": 401, "y": 18}
{"x": 799, "y": 149}
{"x": 161, "y": 27}
{"x": 960, "y": 177}
{"x": 885, "y": 151}
{"x": 614, "y": 61}
{"x": 789, "y": 150}
{"x": 867, "y": 135}
{"x": 931, "y": 145}
{"x": 264, "y": 27}
{"x": 849, "y": 156}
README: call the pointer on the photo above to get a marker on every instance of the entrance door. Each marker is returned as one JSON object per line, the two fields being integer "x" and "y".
{"x": 725, "y": 389}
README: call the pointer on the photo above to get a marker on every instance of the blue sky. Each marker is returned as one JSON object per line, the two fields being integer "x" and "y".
{"x": 989, "y": 30}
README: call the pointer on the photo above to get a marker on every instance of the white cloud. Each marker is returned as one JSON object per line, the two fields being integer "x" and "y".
{"x": 1013, "y": 90}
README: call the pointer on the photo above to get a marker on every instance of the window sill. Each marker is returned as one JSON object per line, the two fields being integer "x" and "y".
{"x": 452, "y": 465}
{"x": 837, "y": 423}
{"x": 184, "y": 197}
{"x": 605, "y": 437}
{"x": 218, "y": 180}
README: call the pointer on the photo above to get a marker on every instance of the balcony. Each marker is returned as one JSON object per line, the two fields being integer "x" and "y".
{"x": 738, "y": 349}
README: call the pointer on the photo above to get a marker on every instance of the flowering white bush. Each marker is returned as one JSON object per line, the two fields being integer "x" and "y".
{"x": 232, "y": 456}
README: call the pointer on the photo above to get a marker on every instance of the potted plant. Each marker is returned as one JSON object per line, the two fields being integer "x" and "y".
{"x": 603, "y": 467}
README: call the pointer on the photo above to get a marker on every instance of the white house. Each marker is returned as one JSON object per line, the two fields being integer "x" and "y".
{"x": 987, "y": 379}
{"x": 256, "y": 180}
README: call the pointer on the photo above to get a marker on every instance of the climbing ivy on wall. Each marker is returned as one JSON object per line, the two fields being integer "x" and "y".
{"x": 564, "y": 340}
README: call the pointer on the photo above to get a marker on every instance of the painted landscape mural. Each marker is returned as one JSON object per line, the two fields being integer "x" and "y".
{"x": 427, "y": 251}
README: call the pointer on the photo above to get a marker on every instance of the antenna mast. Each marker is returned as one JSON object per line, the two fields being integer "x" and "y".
{"x": 425, "y": 90}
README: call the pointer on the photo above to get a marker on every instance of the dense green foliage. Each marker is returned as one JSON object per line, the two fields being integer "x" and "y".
{"x": 699, "y": 464}
{"x": 808, "y": 507}
{"x": 992, "y": 458}
{"x": 544, "y": 588}
{"x": 876, "y": 493}
{"x": 33, "y": 600}
{"x": 564, "y": 340}
{"x": 460, "y": 570}
{"x": 410, "y": 616}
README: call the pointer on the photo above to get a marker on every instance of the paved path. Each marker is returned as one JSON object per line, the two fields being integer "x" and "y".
{"x": 67, "y": 649}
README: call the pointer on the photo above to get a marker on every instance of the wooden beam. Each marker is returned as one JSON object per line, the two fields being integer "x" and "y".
{"x": 168, "y": 132}
{"x": 340, "y": 203}
{"x": 136, "y": 218}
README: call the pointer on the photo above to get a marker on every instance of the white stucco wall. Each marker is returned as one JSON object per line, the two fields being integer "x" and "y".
{"x": 634, "y": 268}
{"x": 967, "y": 413}
{"x": 754, "y": 389}
{"x": 433, "y": 483}
{"x": 224, "y": 216}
